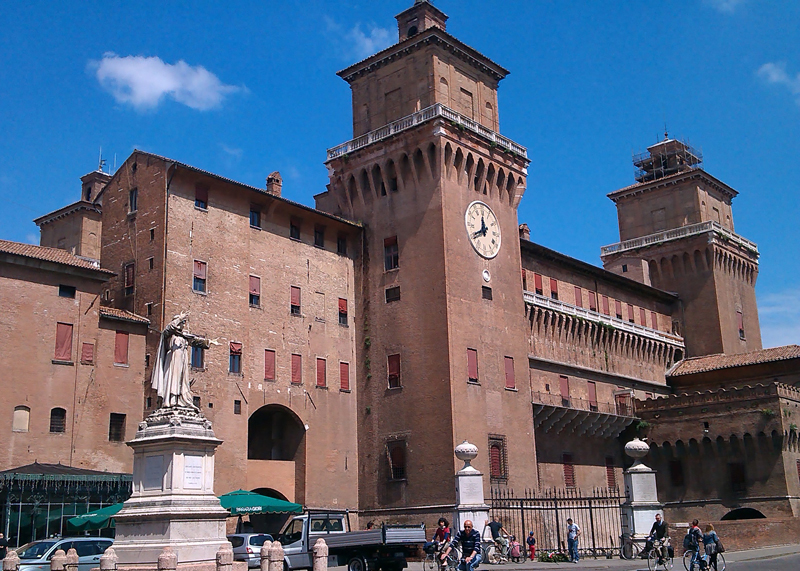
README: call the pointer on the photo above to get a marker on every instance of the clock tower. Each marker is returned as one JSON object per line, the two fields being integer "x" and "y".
{"x": 443, "y": 350}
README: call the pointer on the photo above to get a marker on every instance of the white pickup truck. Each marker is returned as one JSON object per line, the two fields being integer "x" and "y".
{"x": 384, "y": 548}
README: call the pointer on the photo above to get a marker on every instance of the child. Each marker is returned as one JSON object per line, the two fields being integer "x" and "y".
{"x": 531, "y": 541}
{"x": 514, "y": 550}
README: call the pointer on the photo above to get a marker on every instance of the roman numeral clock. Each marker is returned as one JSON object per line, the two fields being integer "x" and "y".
{"x": 483, "y": 229}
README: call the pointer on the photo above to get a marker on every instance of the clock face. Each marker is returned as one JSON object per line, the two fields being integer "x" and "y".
{"x": 483, "y": 229}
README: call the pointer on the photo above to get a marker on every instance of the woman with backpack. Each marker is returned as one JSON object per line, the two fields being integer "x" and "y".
{"x": 692, "y": 542}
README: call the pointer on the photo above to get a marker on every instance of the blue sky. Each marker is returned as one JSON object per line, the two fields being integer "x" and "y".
{"x": 245, "y": 88}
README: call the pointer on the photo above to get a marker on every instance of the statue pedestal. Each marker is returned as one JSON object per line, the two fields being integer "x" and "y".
{"x": 640, "y": 509}
{"x": 173, "y": 502}
{"x": 470, "y": 504}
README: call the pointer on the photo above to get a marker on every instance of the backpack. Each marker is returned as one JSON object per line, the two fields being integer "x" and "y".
{"x": 688, "y": 541}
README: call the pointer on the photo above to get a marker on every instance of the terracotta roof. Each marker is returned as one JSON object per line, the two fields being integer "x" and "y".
{"x": 691, "y": 173}
{"x": 721, "y": 361}
{"x": 122, "y": 315}
{"x": 50, "y": 255}
{"x": 69, "y": 209}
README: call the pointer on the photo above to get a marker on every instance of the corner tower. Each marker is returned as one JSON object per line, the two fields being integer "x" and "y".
{"x": 443, "y": 346}
{"x": 677, "y": 234}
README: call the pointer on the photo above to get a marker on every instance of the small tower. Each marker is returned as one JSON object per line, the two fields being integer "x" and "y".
{"x": 421, "y": 16}
{"x": 676, "y": 233}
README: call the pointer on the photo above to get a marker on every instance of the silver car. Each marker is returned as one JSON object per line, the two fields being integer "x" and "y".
{"x": 36, "y": 556}
{"x": 247, "y": 547}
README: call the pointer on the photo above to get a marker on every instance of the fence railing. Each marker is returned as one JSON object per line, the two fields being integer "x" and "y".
{"x": 676, "y": 233}
{"x": 597, "y": 512}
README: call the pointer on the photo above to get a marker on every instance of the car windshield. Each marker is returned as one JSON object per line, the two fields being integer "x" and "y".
{"x": 34, "y": 550}
{"x": 260, "y": 539}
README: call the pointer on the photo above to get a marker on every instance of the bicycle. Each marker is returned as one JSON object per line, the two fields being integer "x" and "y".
{"x": 629, "y": 548}
{"x": 433, "y": 560}
{"x": 493, "y": 552}
{"x": 655, "y": 560}
{"x": 687, "y": 560}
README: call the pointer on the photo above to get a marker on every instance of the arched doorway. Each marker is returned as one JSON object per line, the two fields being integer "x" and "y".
{"x": 743, "y": 513}
{"x": 269, "y": 523}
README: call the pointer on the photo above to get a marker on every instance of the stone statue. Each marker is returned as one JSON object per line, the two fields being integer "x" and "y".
{"x": 171, "y": 370}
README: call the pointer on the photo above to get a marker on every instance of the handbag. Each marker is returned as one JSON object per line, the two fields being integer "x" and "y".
{"x": 720, "y": 547}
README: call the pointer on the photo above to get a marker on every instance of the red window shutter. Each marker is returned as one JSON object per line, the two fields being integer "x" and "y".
{"x": 511, "y": 382}
{"x": 611, "y": 475}
{"x": 236, "y": 348}
{"x": 593, "y": 393}
{"x": 321, "y": 380}
{"x": 129, "y": 274}
{"x": 295, "y": 295}
{"x": 342, "y": 305}
{"x": 297, "y": 369}
{"x": 255, "y": 285}
{"x": 537, "y": 281}
{"x": 740, "y": 320}
{"x": 578, "y": 297}
{"x": 269, "y": 365}
{"x": 200, "y": 269}
{"x": 472, "y": 364}
{"x": 569, "y": 470}
{"x": 653, "y": 320}
{"x": 618, "y": 307}
{"x": 605, "y": 304}
{"x": 393, "y": 364}
{"x": 564, "y": 382}
{"x": 344, "y": 376}
{"x": 201, "y": 192}
{"x": 121, "y": 348}
{"x": 87, "y": 353}
{"x": 593, "y": 301}
{"x": 643, "y": 316}
{"x": 631, "y": 314}
{"x": 391, "y": 241}
{"x": 63, "y": 342}
{"x": 798, "y": 469}
{"x": 554, "y": 285}
{"x": 495, "y": 461}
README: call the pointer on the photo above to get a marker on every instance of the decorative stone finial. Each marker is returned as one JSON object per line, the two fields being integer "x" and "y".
{"x": 466, "y": 452}
{"x": 637, "y": 449}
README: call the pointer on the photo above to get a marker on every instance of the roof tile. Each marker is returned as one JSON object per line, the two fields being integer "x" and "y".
{"x": 122, "y": 315}
{"x": 50, "y": 255}
{"x": 721, "y": 361}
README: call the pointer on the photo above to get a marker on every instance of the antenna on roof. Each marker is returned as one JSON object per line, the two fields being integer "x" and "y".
{"x": 102, "y": 161}
{"x": 666, "y": 135}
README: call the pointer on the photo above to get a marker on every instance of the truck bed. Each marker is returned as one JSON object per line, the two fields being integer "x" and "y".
{"x": 395, "y": 535}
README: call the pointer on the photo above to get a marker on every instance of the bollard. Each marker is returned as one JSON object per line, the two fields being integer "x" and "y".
{"x": 72, "y": 560}
{"x": 58, "y": 561}
{"x": 167, "y": 560}
{"x": 265, "y": 555}
{"x": 108, "y": 560}
{"x": 225, "y": 557}
{"x": 11, "y": 561}
{"x": 276, "y": 557}
{"x": 320, "y": 555}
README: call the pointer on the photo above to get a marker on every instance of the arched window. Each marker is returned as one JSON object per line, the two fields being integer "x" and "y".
{"x": 58, "y": 420}
{"x": 22, "y": 419}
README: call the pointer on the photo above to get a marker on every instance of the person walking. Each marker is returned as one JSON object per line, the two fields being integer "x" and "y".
{"x": 531, "y": 541}
{"x": 695, "y": 541}
{"x": 710, "y": 540}
{"x": 573, "y": 533}
{"x": 470, "y": 541}
{"x": 3, "y": 547}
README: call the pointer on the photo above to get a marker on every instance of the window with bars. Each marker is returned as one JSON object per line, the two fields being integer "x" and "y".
{"x": 201, "y": 196}
{"x": 63, "y": 350}
{"x": 269, "y": 365}
{"x": 498, "y": 468}
{"x": 116, "y": 427}
{"x": 322, "y": 380}
{"x": 297, "y": 369}
{"x": 237, "y": 407}
{"x": 129, "y": 273}
{"x": 294, "y": 301}
{"x": 342, "y": 311}
{"x": 199, "y": 274}
{"x": 472, "y": 365}
{"x": 393, "y": 368}
{"x": 396, "y": 455}
{"x": 344, "y": 376}
{"x": 58, "y": 420}
{"x": 611, "y": 475}
{"x": 235, "y": 358}
{"x": 569, "y": 470}
{"x": 254, "y": 293}
{"x": 391, "y": 254}
{"x": 508, "y": 365}
{"x": 198, "y": 357}
{"x": 392, "y": 294}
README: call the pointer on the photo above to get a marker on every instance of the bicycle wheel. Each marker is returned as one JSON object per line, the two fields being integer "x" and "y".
{"x": 687, "y": 559}
{"x": 626, "y": 550}
{"x": 652, "y": 560}
{"x": 430, "y": 562}
{"x": 720, "y": 562}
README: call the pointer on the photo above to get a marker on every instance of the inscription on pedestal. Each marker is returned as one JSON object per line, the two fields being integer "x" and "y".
{"x": 192, "y": 472}
{"x": 153, "y": 472}
{"x": 470, "y": 490}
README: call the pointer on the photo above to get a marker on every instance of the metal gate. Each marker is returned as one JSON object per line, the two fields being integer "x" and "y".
{"x": 597, "y": 513}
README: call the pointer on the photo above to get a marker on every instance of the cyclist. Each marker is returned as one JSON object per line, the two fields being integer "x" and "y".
{"x": 657, "y": 532}
{"x": 470, "y": 541}
{"x": 499, "y": 535}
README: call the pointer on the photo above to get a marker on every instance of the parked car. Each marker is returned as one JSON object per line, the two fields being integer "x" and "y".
{"x": 247, "y": 547}
{"x": 35, "y": 556}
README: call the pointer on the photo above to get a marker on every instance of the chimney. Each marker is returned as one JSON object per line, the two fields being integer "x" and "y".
{"x": 524, "y": 232}
{"x": 274, "y": 183}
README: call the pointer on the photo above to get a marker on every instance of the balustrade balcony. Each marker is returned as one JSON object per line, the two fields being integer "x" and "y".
{"x": 554, "y": 415}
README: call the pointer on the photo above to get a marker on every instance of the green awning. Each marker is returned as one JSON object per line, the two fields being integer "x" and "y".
{"x": 97, "y": 519}
{"x": 242, "y": 502}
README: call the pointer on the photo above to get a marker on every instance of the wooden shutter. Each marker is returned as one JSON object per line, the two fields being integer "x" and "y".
{"x": 321, "y": 380}
{"x": 643, "y": 316}
{"x": 297, "y": 369}
{"x": 342, "y": 305}
{"x": 269, "y": 365}
{"x": 653, "y": 320}
{"x": 495, "y": 461}
{"x": 578, "y": 297}
{"x": 593, "y": 393}
{"x": 344, "y": 376}
{"x": 391, "y": 241}
{"x": 87, "y": 353}
{"x": 121, "y": 348}
{"x": 200, "y": 269}
{"x": 605, "y": 304}
{"x": 564, "y": 382}
{"x": 393, "y": 362}
{"x": 472, "y": 364}
{"x": 554, "y": 286}
{"x": 631, "y": 313}
{"x": 611, "y": 475}
{"x": 593, "y": 301}
{"x": 236, "y": 348}
{"x": 537, "y": 282}
{"x": 201, "y": 193}
{"x": 569, "y": 470}
{"x": 129, "y": 274}
{"x": 255, "y": 285}
{"x": 63, "y": 342}
{"x": 618, "y": 308}
{"x": 295, "y": 295}
{"x": 798, "y": 469}
{"x": 511, "y": 382}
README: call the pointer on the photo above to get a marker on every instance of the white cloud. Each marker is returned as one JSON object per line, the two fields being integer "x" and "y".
{"x": 725, "y": 6}
{"x": 32, "y": 239}
{"x": 233, "y": 152}
{"x": 779, "y": 314}
{"x": 776, "y": 74}
{"x": 360, "y": 41}
{"x": 144, "y": 82}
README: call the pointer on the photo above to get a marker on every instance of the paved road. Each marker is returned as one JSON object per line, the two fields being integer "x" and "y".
{"x": 785, "y": 558}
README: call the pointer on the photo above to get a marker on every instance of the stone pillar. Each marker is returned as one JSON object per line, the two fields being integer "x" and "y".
{"x": 265, "y": 555}
{"x": 168, "y": 560}
{"x": 469, "y": 490}
{"x": 320, "y": 555}
{"x": 225, "y": 557}
{"x": 72, "y": 560}
{"x": 276, "y": 557}
{"x": 11, "y": 561}
{"x": 108, "y": 561}
{"x": 641, "y": 504}
{"x": 58, "y": 561}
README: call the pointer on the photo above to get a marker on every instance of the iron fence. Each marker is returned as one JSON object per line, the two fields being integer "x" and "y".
{"x": 597, "y": 512}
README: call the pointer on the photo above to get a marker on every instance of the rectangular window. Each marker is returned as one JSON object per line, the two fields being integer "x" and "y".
{"x": 605, "y": 305}
{"x": 196, "y": 401}
{"x": 511, "y": 382}
{"x": 392, "y": 294}
{"x": 116, "y": 427}
{"x": 237, "y": 407}
{"x": 578, "y": 297}
{"x": 486, "y": 292}
{"x": 798, "y": 470}
{"x": 149, "y": 263}
{"x": 342, "y": 311}
{"x": 235, "y": 360}
{"x": 537, "y": 283}
{"x": 472, "y": 365}
{"x": 643, "y": 316}
{"x": 631, "y": 314}
{"x": 294, "y": 229}
{"x": 344, "y": 376}
{"x": 592, "y": 396}
{"x": 738, "y": 477}
{"x": 611, "y": 475}
{"x": 254, "y": 295}
{"x": 341, "y": 245}
{"x": 269, "y": 365}
{"x": 653, "y": 320}
{"x": 393, "y": 367}
{"x": 569, "y": 470}
{"x": 58, "y": 420}
{"x": 623, "y": 403}
{"x": 618, "y": 308}
{"x": 564, "y": 386}
{"x": 740, "y": 323}
{"x": 121, "y": 348}
{"x": 553, "y": 288}
{"x": 322, "y": 380}
{"x": 63, "y": 342}
{"x": 152, "y": 234}
{"x": 593, "y": 301}
{"x": 198, "y": 357}
{"x": 391, "y": 254}
{"x": 676, "y": 473}
{"x": 498, "y": 469}
{"x": 201, "y": 196}
{"x": 87, "y": 353}
{"x": 255, "y": 217}
{"x": 297, "y": 369}
{"x": 130, "y": 275}
{"x": 66, "y": 291}
{"x": 396, "y": 454}
{"x": 319, "y": 236}
{"x": 294, "y": 302}
{"x": 149, "y": 307}
{"x": 133, "y": 199}
{"x": 200, "y": 272}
